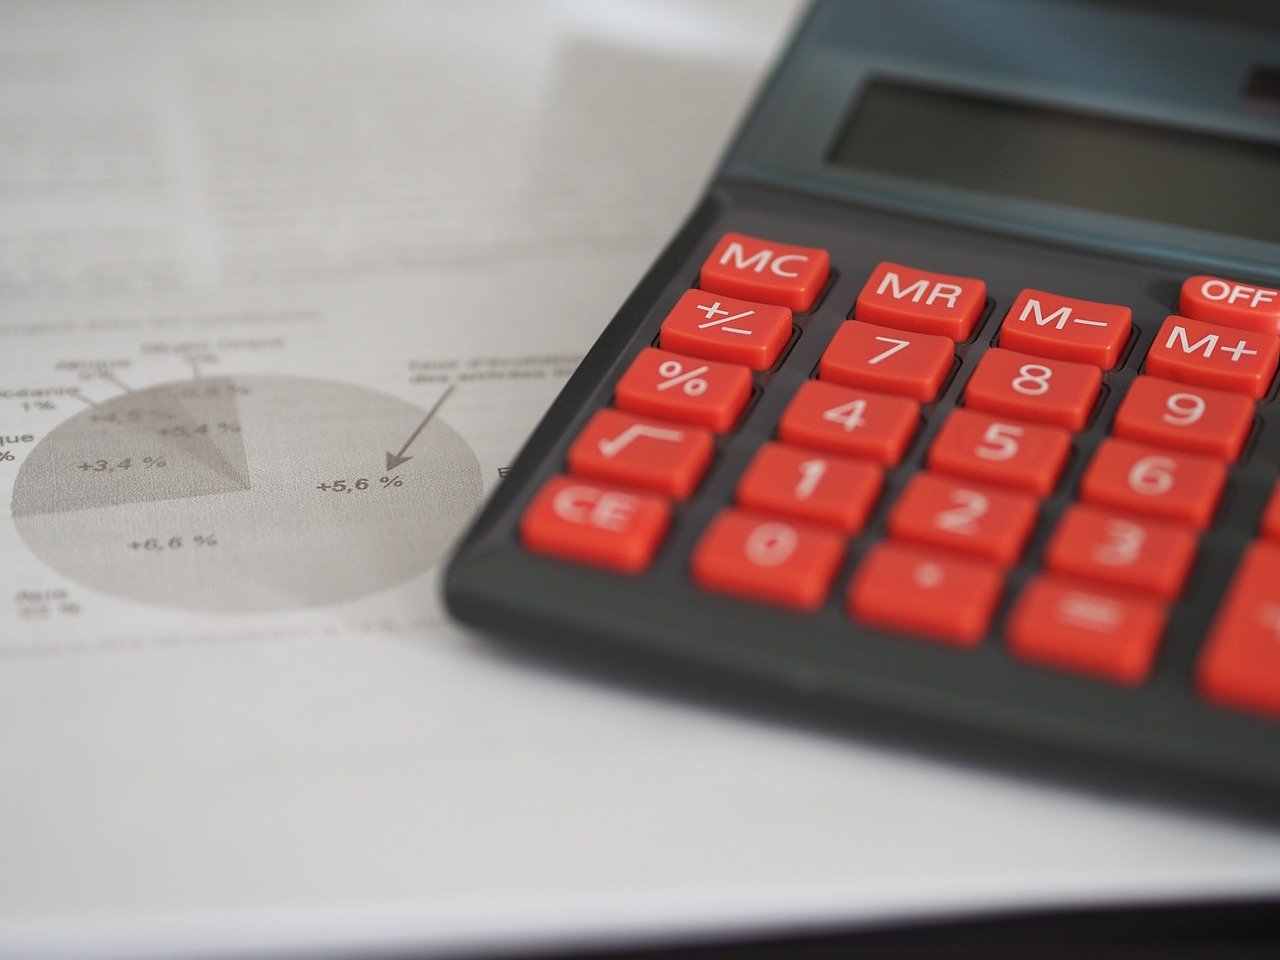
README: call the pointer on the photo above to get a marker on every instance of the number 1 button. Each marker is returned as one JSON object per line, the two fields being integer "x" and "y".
{"x": 837, "y": 491}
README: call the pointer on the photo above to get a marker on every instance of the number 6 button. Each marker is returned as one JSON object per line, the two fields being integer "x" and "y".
{"x": 1033, "y": 388}
{"x": 1141, "y": 479}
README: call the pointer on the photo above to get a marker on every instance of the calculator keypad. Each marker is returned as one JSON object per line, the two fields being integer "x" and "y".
{"x": 1113, "y": 562}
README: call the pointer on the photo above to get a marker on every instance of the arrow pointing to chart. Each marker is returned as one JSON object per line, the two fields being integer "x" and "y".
{"x": 395, "y": 459}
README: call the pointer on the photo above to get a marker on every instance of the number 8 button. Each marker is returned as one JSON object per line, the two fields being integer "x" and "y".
{"x": 1033, "y": 388}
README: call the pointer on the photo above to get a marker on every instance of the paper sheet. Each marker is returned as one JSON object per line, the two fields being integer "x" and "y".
{"x": 245, "y": 250}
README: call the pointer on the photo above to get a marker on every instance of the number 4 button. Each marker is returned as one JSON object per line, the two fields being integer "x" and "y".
{"x": 855, "y": 422}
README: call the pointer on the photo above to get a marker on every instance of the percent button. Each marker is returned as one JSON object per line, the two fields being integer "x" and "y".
{"x": 675, "y": 387}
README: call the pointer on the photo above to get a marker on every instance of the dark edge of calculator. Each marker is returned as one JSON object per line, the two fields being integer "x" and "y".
{"x": 716, "y": 645}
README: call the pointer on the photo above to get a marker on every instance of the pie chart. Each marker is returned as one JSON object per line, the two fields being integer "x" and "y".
{"x": 244, "y": 494}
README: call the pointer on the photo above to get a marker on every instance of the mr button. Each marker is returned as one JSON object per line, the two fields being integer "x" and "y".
{"x": 765, "y": 272}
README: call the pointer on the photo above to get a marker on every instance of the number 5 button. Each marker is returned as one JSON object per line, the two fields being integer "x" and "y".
{"x": 1003, "y": 451}
{"x": 855, "y": 422}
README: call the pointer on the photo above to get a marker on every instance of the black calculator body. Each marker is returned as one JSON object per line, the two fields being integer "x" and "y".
{"x": 950, "y": 413}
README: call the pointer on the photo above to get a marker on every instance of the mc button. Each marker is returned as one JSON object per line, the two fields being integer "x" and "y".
{"x": 765, "y": 272}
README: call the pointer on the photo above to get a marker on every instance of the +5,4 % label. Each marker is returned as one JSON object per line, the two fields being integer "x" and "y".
{"x": 360, "y": 484}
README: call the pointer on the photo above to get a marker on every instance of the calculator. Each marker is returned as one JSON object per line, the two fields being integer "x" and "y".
{"x": 949, "y": 416}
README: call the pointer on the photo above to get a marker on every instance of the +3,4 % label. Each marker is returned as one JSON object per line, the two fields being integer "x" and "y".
{"x": 111, "y": 466}
{"x": 361, "y": 483}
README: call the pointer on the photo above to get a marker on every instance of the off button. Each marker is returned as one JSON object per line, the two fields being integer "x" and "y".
{"x": 1214, "y": 300}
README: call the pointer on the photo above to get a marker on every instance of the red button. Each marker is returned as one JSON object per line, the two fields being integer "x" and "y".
{"x": 1122, "y": 551}
{"x": 999, "y": 450}
{"x": 1211, "y": 356}
{"x": 1176, "y": 486}
{"x": 1240, "y": 665}
{"x": 671, "y": 386}
{"x": 880, "y": 358}
{"x": 766, "y": 272}
{"x": 974, "y": 518}
{"x": 760, "y": 558}
{"x": 1033, "y": 388}
{"x": 926, "y": 593}
{"x": 811, "y": 486}
{"x": 1061, "y": 624}
{"x": 855, "y": 422}
{"x": 587, "y": 522}
{"x": 911, "y": 299}
{"x": 619, "y": 447}
{"x": 1215, "y": 300}
{"x": 721, "y": 328}
{"x": 1271, "y": 519}
{"x": 1197, "y": 419}
{"x": 1052, "y": 326}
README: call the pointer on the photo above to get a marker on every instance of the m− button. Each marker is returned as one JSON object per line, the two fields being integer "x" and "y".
{"x": 1049, "y": 325}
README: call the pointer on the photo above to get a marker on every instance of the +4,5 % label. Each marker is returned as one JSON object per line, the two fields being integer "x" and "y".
{"x": 359, "y": 484}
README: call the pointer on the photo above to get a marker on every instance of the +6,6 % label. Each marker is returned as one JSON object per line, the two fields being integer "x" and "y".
{"x": 360, "y": 484}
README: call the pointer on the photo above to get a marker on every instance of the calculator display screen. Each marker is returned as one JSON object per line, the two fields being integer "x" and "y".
{"x": 1132, "y": 169}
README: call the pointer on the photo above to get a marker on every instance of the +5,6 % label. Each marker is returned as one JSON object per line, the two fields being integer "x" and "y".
{"x": 360, "y": 484}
